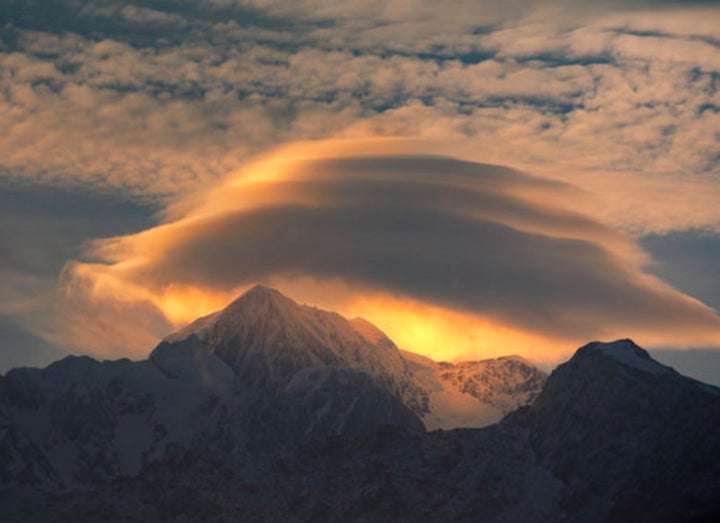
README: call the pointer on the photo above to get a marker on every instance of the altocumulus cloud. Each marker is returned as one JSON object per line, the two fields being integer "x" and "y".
{"x": 476, "y": 239}
{"x": 157, "y": 98}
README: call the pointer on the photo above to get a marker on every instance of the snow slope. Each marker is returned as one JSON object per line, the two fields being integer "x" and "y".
{"x": 474, "y": 394}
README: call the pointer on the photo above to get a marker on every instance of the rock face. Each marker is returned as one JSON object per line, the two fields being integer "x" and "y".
{"x": 631, "y": 439}
{"x": 474, "y": 394}
{"x": 504, "y": 383}
{"x": 271, "y": 411}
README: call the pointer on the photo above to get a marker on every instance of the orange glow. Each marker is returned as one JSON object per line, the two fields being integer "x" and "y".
{"x": 435, "y": 332}
{"x": 441, "y": 334}
{"x": 447, "y": 335}
{"x": 179, "y": 304}
{"x": 182, "y": 304}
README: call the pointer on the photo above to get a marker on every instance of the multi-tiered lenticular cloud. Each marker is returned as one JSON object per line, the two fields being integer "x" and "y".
{"x": 481, "y": 241}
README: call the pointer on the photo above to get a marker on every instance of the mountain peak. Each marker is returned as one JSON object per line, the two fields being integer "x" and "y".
{"x": 266, "y": 337}
{"x": 517, "y": 358}
{"x": 262, "y": 291}
{"x": 266, "y": 308}
{"x": 625, "y": 351}
{"x": 258, "y": 300}
{"x": 261, "y": 295}
{"x": 625, "y": 344}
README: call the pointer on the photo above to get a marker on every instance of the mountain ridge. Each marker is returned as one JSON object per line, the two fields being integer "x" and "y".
{"x": 201, "y": 431}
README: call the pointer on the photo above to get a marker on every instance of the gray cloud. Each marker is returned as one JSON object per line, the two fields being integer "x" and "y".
{"x": 702, "y": 364}
{"x": 21, "y": 349}
{"x": 40, "y": 229}
{"x": 689, "y": 261}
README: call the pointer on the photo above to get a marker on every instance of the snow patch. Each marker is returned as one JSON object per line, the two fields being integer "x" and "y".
{"x": 628, "y": 353}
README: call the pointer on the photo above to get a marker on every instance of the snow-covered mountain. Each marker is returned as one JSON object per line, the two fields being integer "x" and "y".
{"x": 79, "y": 422}
{"x": 270, "y": 341}
{"x": 613, "y": 437}
{"x": 273, "y": 411}
{"x": 474, "y": 394}
{"x": 261, "y": 375}
{"x": 631, "y": 439}
{"x": 468, "y": 394}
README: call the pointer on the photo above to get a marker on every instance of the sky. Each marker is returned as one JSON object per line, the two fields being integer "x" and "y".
{"x": 477, "y": 178}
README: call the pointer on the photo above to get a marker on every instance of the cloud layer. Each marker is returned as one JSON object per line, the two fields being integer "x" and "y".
{"x": 156, "y": 99}
{"x": 474, "y": 239}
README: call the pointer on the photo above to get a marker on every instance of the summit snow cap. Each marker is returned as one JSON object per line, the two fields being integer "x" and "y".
{"x": 625, "y": 351}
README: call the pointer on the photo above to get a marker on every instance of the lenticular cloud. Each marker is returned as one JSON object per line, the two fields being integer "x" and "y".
{"x": 469, "y": 237}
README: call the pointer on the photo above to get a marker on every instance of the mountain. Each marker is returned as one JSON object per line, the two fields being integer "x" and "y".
{"x": 613, "y": 437}
{"x": 273, "y": 411}
{"x": 474, "y": 394}
{"x": 468, "y": 394}
{"x": 631, "y": 439}
{"x": 273, "y": 343}
{"x": 269, "y": 341}
{"x": 262, "y": 375}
